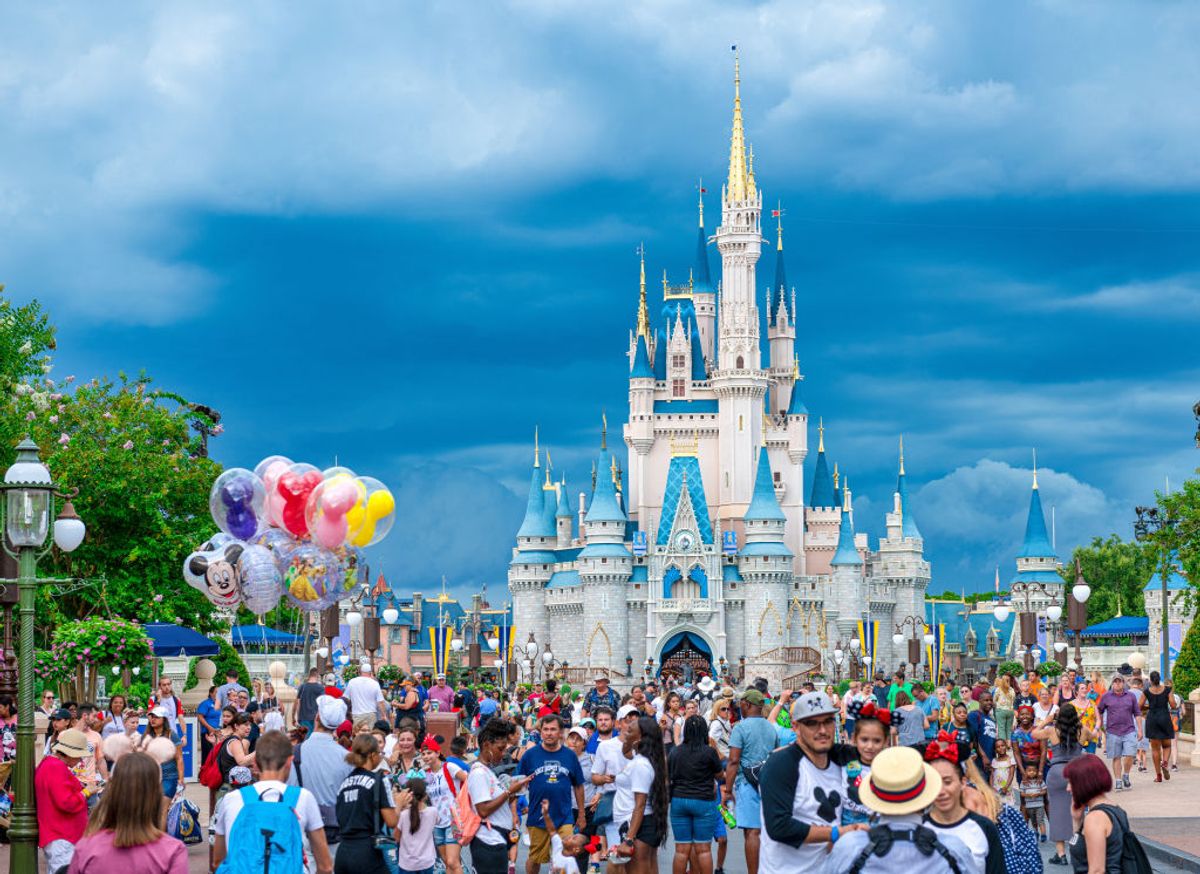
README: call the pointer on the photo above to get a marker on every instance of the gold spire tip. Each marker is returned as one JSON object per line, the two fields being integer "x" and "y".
{"x": 603, "y": 429}
{"x": 835, "y": 474}
{"x": 1035, "y": 485}
{"x": 821, "y": 432}
{"x": 796, "y": 368}
{"x": 643, "y": 316}
{"x": 737, "y": 184}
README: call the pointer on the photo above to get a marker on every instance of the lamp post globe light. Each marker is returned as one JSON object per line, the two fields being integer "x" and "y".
{"x": 30, "y": 494}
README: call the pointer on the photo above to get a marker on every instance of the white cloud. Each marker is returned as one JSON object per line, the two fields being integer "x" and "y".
{"x": 1170, "y": 298}
{"x": 974, "y": 517}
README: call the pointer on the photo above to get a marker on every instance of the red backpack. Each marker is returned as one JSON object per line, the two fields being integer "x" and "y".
{"x": 210, "y": 771}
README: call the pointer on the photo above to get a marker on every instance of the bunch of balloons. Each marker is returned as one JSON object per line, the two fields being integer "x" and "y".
{"x": 289, "y": 529}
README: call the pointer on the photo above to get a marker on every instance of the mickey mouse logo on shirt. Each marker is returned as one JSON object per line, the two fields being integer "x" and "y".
{"x": 827, "y": 804}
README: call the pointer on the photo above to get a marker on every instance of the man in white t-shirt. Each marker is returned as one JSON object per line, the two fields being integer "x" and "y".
{"x": 802, "y": 787}
{"x": 273, "y": 754}
{"x": 364, "y": 695}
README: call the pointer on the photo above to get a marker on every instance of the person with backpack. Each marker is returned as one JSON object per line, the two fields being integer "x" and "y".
{"x": 270, "y": 823}
{"x": 366, "y": 812}
{"x": 1104, "y": 840}
{"x": 750, "y": 743}
{"x": 899, "y": 787}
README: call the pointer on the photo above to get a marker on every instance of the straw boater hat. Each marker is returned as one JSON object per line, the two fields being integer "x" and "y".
{"x": 900, "y": 782}
{"x": 73, "y": 743}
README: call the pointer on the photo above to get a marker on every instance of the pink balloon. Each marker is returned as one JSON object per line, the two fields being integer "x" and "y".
{"x": 339, "y": 497}
{"x": 330, "y": 531}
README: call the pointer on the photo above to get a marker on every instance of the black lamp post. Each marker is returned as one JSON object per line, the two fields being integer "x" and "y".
{"x": 1151, "y": 524}
{"x": 30, "y": 495}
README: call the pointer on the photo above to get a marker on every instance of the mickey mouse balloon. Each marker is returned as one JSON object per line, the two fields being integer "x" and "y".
{"x": 217, "y": 574}
{"x": 372, "y": 517}
{"x": 237, "y": 502}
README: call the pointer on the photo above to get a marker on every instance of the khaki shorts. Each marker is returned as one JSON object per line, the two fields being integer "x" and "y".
{"x": 539, "y": 842}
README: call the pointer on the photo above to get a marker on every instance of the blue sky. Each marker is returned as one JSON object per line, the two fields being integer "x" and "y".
{"x": 404, "y": 235}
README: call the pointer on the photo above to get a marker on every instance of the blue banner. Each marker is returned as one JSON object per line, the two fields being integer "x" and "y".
{"x": 439, "y": 645}
{"x": 729, "y": 542}
{"x": 639, "y": 543}
{"x": 935, "y": 653}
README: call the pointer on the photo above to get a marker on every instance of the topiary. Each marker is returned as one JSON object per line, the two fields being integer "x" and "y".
{"x": 1049, "y": 669}
{"x": 1013, "y": 669}
{"x": 1185, "y": 676}
{"x": 224, "y": 660}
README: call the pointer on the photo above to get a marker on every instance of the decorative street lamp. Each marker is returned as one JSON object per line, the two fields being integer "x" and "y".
{"x": 1027, "y": 619}
{"x": 29, "y": 504}
{"x": 838, "y": 655}
{"x": 390, "y": 615}
{"x": 1077, "y": 612}
{"x": 917, "y": 623}
{"x": 1148, "y": 526}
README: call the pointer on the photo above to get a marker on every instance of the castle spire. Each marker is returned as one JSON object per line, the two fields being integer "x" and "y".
{"x": 822, "y": 492}
{"x": 1035, "y": 485}
{"x": 643, "y": 316}
{"x": 535, "y": 446}
{"x": 701, "y": 187}
{"x": 901, "y": 455}
{"x": 603, "y": 429}
{"x": 780, "y": 285}
{"x": 908, "y": 524}
{"x": 821, "y": 431}
{"x": 847, "y": 552}
{"x": 737, "y": 185}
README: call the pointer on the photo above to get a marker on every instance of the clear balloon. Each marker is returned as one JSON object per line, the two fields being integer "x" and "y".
{"x": 327, "y": 507}
{"x": 355, "y": 572}
{"x": 331, "y": 472}
{"x": 370, "y": 520}
{"x": 269, "y": 470}
{"x": 293, "y": 487}
{"x": 217, "y": 573}
{"x": 237, "y": 502}
{"x": 314, "y": 577}
{"x": 262, "y": 582}
{"x": 280, "y": 543}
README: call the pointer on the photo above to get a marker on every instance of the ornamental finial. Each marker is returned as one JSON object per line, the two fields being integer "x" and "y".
{"x": 737, "y": 184}
{"x": 821, "y": 432}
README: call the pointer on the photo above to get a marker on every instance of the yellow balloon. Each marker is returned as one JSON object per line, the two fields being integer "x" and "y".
{"x": 380, "y": 504}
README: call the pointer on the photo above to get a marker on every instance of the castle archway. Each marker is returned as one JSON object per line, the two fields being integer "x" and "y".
{"x": 686, "y": 654}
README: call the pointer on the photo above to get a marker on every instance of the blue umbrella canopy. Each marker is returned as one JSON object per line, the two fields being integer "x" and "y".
{"x": 176, "y": 640}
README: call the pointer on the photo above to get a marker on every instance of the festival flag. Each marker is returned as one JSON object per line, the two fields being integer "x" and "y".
{"x": 504, "y": 634}
{"x": 936, "y": 651}
{"x": 868, "y": 633}
{"x": 439, "y": 646}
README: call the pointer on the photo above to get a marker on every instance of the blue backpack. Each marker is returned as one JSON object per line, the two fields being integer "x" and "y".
{"x": 265, "y": 838}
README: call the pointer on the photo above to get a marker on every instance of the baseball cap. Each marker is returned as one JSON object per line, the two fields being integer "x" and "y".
{"x": 61, "y": 713}
{"x": 812, "y": 704}
{"x": 159, "y": 711}
{"x": 440, "y": 677}
{"x": 579, "y": 732}
{"x": 753, "y": 696}
{"x": 625, "y": 711}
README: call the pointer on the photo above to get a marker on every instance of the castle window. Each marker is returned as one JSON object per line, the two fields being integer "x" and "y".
{"x": 414, "y": 637}
{"x": 778, "y": 477}
{"x": 677, "y": 361}
{"x": 741, "y": 420}
{"x": 741, "y": 363}
{"x": 678, "y": 388}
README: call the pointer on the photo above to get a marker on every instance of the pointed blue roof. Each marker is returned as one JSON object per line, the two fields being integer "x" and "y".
{"x": 684, "y": 467}
{"x": 821, "y": 494}
{"x": 764, "y": 506}
{"x": 531, "y": 526}
{"x": 796, "y": 405}
{"x": 641, "y": 361}
{"x": 846, "y": 553}
{"x": 701, "y": 277}
{"x": 698, "y": 371}
{"x": 660, "y": 355}
{"x": 1037, "y": 542}
{"x": 564, "y": 507}
{"x": 605, "y": 507}
{"x": 1176, "y": 582}
{"x": 908, "y": 525}
{"x": 549, "y": 507}
{"x": 779, "y": 293}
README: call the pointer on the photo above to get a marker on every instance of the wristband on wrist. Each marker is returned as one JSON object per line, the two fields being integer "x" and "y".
{"x": 833, "y": 835}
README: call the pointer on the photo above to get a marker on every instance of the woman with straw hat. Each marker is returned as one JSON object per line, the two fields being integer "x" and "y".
{"x": 900, "y": 788}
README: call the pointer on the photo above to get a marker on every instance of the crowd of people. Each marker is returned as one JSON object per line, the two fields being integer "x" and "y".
{"x": 352, "y": 779}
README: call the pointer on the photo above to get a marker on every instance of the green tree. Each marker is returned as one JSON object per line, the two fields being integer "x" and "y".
{"x": 1117, "y": 571}
{"x": 1184, "y": 539}
{"x": 138, "y": 457}
{"x": 1186, "y": 673}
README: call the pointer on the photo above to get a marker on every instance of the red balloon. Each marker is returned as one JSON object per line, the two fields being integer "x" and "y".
{"x": 295, "y": 488}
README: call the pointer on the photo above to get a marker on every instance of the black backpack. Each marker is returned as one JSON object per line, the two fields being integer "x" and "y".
{"x": 1133, "y": 855}
{"x": 880, "y": 839}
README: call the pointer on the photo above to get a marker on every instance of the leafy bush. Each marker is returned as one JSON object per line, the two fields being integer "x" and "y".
{"x": 1186, "y": 675}
{"x": 1013, "y": 669}
{"x": 389, "y": 675}
{"x": 1049, "y": 669}
{"x": 350, "y": 671}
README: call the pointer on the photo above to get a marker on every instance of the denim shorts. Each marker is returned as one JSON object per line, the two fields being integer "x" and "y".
{"x": 1121, "y": 745}
{"x": 746, "y": 805}
{"x": 693, "y": 820}
{"x": 443, "y": 836}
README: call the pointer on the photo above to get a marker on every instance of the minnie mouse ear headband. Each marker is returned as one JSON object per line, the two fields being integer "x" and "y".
{"x": 946, "y": 746}
{"x": 868, "y": 710}
{"x": 1024, "y": 708}
{"x": 432, "y": 745}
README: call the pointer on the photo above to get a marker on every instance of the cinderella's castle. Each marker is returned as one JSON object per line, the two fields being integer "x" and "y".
{"x": 711, "y": 544}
